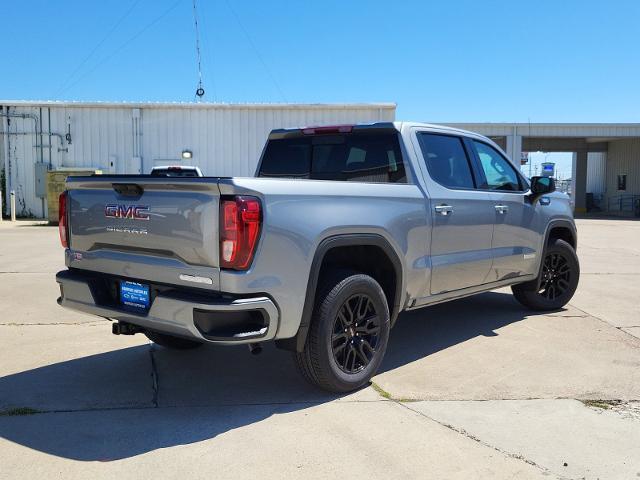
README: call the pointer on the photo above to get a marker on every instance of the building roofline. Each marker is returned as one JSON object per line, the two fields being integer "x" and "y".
{"x": 203, "y": 105}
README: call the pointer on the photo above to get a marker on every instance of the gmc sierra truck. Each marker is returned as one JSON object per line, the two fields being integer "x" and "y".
{"x": 342, "y": 228}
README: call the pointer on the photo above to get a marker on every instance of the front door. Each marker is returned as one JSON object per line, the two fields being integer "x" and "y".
{"x": 462, "y": 215}
{"x": 516, "y": 238}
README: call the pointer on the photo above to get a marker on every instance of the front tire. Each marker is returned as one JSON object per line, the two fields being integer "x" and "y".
{"x": 169, "y": 341}
{"x": 558, "y": 279}
{"x": 348, "y": 334}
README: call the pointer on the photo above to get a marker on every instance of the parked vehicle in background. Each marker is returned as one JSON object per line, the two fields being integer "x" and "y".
{"x": 342, "y": 229}
{"x": 176, "y": 171}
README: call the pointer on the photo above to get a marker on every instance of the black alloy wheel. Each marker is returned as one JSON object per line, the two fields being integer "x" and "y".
{"x": 557, "y": 280}
{"x": 556, "y": 276}
{"x": 349, "y": 332}
{"x": 356, "y": 334}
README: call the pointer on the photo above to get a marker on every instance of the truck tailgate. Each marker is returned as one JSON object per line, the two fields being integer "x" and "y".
{"x": 163, "y": 230}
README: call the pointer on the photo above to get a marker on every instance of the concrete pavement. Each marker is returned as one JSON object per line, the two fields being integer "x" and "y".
{"x": 478, "y": 388}
{"x": 355, "y": 439}
{"x": 609, "y": 252}
{"x": 564, "y": 435}
{"x": 488, "y": 347}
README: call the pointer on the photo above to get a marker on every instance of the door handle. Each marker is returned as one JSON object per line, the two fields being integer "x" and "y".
{"x": 502, "y": 208}
{"x": 444, "y": 209}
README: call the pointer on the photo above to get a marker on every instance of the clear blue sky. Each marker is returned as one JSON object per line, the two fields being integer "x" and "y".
{"x": 556, "y": 61}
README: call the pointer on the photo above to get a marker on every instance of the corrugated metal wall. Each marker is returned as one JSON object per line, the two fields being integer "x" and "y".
{"x": 24, "y": 149}
{"x": 623, "y": 159}
{"x": 596, "y": 172}
{"x": 226, "y": 140}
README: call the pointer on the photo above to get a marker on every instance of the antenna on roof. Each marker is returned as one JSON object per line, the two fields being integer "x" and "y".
{"x": 200, "y": 88}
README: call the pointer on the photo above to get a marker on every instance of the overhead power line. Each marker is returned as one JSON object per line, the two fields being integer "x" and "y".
{"x": 99, "y": 44}
{"x": 255, "y": 49}
{"x": 125, "y": 44}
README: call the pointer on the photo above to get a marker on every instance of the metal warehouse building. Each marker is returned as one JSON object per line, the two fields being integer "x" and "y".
{"x": 226, "y": 140}
{"x": 606, "y": 157}
{"x": 223, "y": 139}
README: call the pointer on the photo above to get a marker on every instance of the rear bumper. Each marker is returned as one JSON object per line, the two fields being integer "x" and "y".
{"x": 222, "y": 320}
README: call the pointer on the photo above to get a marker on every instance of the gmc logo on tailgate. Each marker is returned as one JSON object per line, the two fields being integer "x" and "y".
{"x": 134, "y": 212}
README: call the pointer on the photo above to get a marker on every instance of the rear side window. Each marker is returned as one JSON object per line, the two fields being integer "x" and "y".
{"x": 353, "y": 157}
{"x": 446, "y": 160}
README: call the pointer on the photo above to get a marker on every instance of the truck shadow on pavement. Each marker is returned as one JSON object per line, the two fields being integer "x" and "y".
{"x": 425, "y": 331}
{"x": 127, "y": 402}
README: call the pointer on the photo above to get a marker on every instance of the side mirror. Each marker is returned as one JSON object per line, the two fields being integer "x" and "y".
{"x": 541, "y": 186}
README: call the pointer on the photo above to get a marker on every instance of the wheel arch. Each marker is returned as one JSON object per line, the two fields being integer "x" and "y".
{"x": 322, "y": 258}
{"x": 564, "y": 230}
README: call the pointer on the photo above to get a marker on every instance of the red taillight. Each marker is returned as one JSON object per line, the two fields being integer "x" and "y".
{"x": 62, "y": 219}
{"x": 327, "y": 130}
{"x": 240, "y": 220}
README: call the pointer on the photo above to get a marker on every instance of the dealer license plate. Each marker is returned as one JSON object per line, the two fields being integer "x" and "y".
{"x": 135, "y": 295}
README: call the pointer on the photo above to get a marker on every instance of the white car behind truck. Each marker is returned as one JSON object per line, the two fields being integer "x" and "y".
{"x": 176, "y": 171}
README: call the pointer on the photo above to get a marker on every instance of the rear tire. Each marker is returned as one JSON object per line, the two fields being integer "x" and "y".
{"x": 348, "y": 334}
{"x": 558, "y": 280}
{"x": 169, "y": 341}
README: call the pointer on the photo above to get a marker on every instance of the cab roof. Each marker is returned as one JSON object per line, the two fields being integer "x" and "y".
{"x": 348, "y": 128}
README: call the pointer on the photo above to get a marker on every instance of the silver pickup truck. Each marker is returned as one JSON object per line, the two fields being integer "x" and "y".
{"x": 342, "y": 229}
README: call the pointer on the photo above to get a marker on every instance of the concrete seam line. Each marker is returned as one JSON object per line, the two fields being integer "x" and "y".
{"x": 604, "y": 321}
{"x": 201, "y": 406}
{"x": 10, "y": 272}
{"x": 470, "y": 436}
{"x": 609, "y": 273}
{"x": 388, "y": 396}
{"x": 154, "y": 377}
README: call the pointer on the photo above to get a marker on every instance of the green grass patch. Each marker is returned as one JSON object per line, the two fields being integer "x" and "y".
{"x": 381, "y": 391}
{"x": 603, "y": 404}
{"x": 16, "y": 412}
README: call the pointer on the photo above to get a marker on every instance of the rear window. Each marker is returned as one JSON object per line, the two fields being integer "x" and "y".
{"x": 353, "y": 157}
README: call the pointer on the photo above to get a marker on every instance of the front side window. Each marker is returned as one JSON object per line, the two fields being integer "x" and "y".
{"x": 446, "y": 160}
{"x": 498, "y": 171}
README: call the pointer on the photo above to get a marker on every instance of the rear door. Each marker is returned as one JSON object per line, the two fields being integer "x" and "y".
{"x": 516, "y": 237}
{"x": 462, "y": 216}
